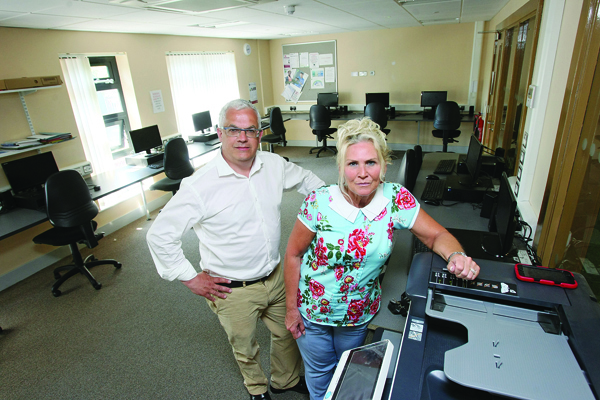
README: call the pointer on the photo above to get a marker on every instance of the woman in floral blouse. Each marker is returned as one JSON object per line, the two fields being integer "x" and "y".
{"x": 338, "y": 246}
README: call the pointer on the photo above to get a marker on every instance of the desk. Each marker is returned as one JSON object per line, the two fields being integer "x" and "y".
{"x": 20, "y": 219}
{"x": 409, "y": 116}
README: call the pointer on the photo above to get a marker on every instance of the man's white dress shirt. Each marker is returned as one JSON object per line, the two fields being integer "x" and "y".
{"x": 236, "y": 218}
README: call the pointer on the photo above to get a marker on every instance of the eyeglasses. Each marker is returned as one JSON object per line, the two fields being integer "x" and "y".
{"x": 232, "y": 131}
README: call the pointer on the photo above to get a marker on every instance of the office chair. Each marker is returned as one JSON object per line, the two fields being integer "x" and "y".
{"x": 177, "y": 166}
{"x": 418, "y": 158}
{"x": 320, "y": 123}
{"x": 71, "y": 210}
{"x": 446, "y": 123}
{"x": 407, "y": 173}
{"x": 377, "y": 113}
{"x": 277, "y": 130}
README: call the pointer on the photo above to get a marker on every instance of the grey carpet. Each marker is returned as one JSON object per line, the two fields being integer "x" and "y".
{"x": 139, "y": 337}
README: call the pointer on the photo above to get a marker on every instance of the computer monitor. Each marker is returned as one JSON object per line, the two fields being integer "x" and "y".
{"x": 473, "y": 162}
{"x": 202, "y": 121}
{"x": 145, "y": 139}
{"x": 432, "y": 98}
{"x": 506, "y": 207}
{"x": 29, "y": 173}
{"x": 329, "y": 100}
{"x": 383, "y": 98}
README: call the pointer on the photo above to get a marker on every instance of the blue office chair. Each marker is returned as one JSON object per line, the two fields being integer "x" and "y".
{"x": 177, "y": 166}
{"x": 320, "y": 123}
{"x": 71, "y": 210}
{"x": 278, "y": 130}
{"x": 446, "y": 123}
{"x": 407, "y": 173}
{"x": 377, "y": 113}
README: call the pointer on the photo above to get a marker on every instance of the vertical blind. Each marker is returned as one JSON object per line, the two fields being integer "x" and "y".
{"x": 86, "y": 108}
{"x": 200, "y": 82}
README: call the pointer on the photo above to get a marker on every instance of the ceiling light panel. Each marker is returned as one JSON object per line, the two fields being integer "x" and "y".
{"x": 424, "y": 11}
{"x": 29, "y": 5}
{"x": 40, "y": 21}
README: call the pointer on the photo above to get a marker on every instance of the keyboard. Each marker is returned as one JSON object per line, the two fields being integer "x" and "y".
{"x": 419, "y": 247}
{"x": 434, "y": 190}
{"x": 445, "y": 167}
{"x": 156, "y": 165}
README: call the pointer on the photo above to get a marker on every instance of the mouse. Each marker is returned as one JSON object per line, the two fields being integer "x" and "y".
{"x": 97, "y": 188}
{"x": 432, "y": 177}
{"x": 432, "y": 202}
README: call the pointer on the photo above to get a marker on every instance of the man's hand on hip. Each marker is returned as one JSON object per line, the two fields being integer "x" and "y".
{"x": 207, "y": 286}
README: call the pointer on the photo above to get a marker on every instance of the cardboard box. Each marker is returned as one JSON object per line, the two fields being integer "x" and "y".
{"x": 26, "y": 83}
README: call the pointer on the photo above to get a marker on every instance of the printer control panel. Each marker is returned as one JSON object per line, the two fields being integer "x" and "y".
{"x": 444, "y": 278}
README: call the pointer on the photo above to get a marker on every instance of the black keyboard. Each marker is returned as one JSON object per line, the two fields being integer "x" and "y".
{"x": 445, "y": 167}
{"x": 156, "y": 165}
{"x": 434, "y": 190}
{"x": 419, "y": 247}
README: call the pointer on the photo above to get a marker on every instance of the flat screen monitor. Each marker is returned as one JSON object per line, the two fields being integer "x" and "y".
{"x": 145, "y": 139}
{"x": 383, "y": 98}
{"x": 29, "y": 172}
{"x": 202, "y": 121}
{"x": 328, "y": 100}
{"x": 432, "y": 98}
{"x": 506, "y": 207}
{"x": 473, "y": 162}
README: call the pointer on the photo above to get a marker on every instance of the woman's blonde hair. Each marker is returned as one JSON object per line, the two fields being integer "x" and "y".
{"x": 357, "y": 131}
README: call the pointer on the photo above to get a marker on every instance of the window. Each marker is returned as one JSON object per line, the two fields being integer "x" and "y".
{"x": 112, "y": 104}
{"x": 201, "y": 82}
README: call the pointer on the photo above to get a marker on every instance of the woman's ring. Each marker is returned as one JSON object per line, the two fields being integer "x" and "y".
{"x": 473, "y": 271}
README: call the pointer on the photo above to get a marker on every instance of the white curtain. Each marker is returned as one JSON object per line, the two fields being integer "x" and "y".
{"x": 201, "y": 82}
{"x": 82, "y": 92}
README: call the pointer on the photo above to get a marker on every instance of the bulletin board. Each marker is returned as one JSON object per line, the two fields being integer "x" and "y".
{"x": 309, "y": 69}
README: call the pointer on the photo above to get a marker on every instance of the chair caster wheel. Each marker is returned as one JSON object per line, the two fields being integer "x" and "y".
{"x": 118, "y": 266}
{"x": 56, "y": 293}
{"x": 98, "y": 286}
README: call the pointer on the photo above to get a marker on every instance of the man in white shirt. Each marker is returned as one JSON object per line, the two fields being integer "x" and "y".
{"x": 233, "y": 204}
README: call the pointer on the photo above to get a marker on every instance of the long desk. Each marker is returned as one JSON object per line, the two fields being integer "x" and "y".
{"x": 409, "y": 116}
{"x": 20, "y": 219}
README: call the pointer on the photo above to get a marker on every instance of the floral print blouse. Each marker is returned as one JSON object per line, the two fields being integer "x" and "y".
{"x": 339, "y": 282}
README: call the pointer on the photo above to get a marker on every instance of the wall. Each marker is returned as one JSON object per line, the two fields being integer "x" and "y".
{"x": 30, "y": 52}
{"x": 405, "y": 60}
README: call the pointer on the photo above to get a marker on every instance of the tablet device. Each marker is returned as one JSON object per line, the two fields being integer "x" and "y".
{"x": 361, "y": 372}
{"x": 546, "y": 276}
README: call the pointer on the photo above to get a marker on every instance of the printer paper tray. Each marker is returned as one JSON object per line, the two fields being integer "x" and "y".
{"x": 507, "y": 353}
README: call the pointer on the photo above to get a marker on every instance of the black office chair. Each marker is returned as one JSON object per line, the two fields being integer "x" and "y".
{"x": 377, "y": 113}
{"x": 177, "y": 166}
{"x": 277, "y": 128}
{"x": 446, "y": 123}
{"x": 418, "y": 158}
{"x": 407, "y": 173}
{"x": 320, "y": 123}
{"x": 71, "y": 210}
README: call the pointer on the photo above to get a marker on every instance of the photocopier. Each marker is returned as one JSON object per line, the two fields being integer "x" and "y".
{"x": 494, "y": 338}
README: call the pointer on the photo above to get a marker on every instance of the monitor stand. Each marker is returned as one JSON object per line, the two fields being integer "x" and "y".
{"x": 32, "y": 199}
{"x": 490, "y": 243}
{"x": 429, "y": 113}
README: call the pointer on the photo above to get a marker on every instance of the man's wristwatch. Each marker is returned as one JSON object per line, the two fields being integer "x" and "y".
{"x": 462, "y": 253}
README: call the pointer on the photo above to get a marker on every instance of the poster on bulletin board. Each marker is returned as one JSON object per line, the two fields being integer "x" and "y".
{"x": 309, "y": 69}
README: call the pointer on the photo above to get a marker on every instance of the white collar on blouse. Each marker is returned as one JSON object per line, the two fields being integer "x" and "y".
{"x": 225, "y": 169}
{"x": 341, "y": 206}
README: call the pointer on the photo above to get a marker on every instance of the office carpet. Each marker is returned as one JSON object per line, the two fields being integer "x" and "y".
{"x": 139, "y": 337}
